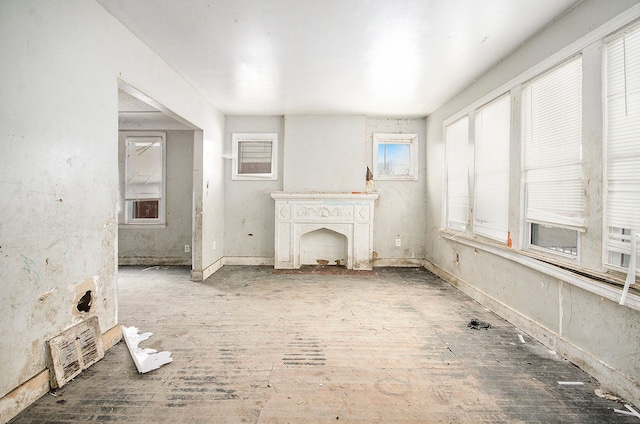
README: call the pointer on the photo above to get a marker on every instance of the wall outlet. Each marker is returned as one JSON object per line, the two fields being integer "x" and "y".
{"x": 214, "y": 245}
{"x": 398, "y": 242}
{"x": 187, "y": 248}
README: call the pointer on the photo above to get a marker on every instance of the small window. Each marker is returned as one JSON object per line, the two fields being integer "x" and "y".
{"x": 254, "y": 156}
{"x": 144, "y": 179}
{"x": 395, "y": 156}
{"x": 558, "y": 240}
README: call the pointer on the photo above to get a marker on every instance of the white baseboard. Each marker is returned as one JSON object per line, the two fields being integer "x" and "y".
{"x": 24, "y": 395}
{"x": 203, "y": 274}
{"x": 398, "y": 262}
{"x": 248, "y": 260}
{"x": 154, "y": 261}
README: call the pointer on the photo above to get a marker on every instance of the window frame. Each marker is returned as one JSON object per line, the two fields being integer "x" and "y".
{"x": 129, "y": 203}
{"x": 549, "y": 251}
{"x": 409, "y": 139}
{"x": 528, "y": 221}
{"x": 236, "y": 139}
{"x": 614, "y": 237}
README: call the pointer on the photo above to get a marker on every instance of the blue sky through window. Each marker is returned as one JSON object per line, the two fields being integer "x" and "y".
{"x": 394, "y": 159}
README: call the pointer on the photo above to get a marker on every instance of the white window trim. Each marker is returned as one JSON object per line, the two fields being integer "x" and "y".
{"x": 130, "y": 222}
{"x": 550, "y": 253}
{"x": 236, "y": 138}
{"x": 396, "y": 138}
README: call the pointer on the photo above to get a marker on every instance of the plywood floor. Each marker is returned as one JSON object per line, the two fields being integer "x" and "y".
{"x": 389, "y": 346}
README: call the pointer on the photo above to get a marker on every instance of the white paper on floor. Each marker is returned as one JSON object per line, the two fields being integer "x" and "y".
{"x": 145, "y": 359}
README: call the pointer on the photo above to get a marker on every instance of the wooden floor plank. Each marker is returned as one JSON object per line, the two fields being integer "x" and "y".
{"x": 253, "y": 346}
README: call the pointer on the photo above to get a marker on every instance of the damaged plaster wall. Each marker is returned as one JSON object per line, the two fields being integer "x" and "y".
{"x": 324, "y": 153}
{"x": 594, "y": 332}
{"x": 138, "y": 245}
{"x": 249, "y": 217}
{"x": 399, "y": 210}
{"x": 59, "y": 171}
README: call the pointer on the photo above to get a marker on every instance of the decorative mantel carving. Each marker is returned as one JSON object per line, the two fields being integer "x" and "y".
{"x": 323, "y": 212}
{"x": 349, "y": 214}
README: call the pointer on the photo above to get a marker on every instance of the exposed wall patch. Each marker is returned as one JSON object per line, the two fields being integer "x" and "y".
{"x": 84, "y": 297}
{"x": 85, "y": 302}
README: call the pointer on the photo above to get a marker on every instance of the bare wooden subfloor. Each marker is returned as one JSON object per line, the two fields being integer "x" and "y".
{"x": 391, "y": 346}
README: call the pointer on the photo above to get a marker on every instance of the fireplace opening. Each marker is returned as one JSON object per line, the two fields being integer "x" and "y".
{"x": 323, "y": 247}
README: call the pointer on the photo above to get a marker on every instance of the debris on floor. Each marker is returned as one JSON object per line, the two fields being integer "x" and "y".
{"x": 631, "y": 411}
{"x": 477, "y": 324}
{"x": 73, "y": 351}
{"x": 145, "y": 359}
{"x": 606, "y": 395}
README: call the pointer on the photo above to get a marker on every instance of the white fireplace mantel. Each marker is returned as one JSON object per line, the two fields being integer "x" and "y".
{"x": 349, "y": 214}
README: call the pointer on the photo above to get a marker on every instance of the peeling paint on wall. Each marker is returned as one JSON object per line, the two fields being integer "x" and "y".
{"x": 84, "y": 294}
{"x": 44, "y": 296}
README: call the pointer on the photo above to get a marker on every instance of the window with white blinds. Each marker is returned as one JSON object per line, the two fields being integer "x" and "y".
{"x": 552, "y": 133}
{"x": 254, "y": 156}
{"x": 144, "y": 181}
{"x": 492, "y": 135}
{"x": 457, "y": 174}
{"x": 622, "y": 165}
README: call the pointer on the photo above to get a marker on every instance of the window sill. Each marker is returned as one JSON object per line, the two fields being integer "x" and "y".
{"x": 137, "y": 225}
{"x": 585, "y": 279}
{"x": 253, "y": 178}
{"x": 396, "y": 178}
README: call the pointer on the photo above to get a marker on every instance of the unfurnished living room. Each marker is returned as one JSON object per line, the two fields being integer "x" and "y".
{"x": 314, "y": 211}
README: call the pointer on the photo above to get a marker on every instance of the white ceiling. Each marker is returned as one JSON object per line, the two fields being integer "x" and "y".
{"x": 373, "y": 57}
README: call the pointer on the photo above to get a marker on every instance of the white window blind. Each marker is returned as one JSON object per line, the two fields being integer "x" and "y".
{"x": 492, "y": 135}
{"x": 552, "y": 120}
{"x": 254, "y": 156}
{"x": 622, "y": 210}
{"x": 143, "y": 168}
{"x": 457, "y": 168}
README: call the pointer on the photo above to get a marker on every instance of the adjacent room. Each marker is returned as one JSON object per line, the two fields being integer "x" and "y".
{"x": 365, "y": 211}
